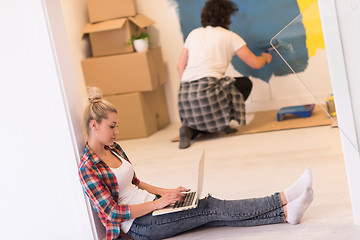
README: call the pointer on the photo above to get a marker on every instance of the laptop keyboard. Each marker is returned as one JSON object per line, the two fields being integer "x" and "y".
{"x": 189, "y": 197}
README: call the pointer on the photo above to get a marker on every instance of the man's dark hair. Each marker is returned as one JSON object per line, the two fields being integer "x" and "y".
{"x": 217, "y": 13}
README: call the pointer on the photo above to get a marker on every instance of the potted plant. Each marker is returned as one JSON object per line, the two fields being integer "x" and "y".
{"x": 140, "y": 41}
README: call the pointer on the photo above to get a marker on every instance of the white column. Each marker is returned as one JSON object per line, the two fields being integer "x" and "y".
{"x": 41, "y": 197}
{"x": 341, "y": 24}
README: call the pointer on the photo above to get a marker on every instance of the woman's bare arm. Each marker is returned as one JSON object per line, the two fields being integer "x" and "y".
{"x": 167, "y": 196}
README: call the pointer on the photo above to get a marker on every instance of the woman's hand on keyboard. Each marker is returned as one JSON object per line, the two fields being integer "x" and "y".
{"x": 169, "y": 196}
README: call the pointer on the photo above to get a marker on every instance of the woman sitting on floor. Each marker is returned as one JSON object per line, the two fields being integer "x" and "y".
{"x": 123, "y": 202}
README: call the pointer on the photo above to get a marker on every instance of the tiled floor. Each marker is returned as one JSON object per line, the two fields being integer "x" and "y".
{"x": 252, "y": 166}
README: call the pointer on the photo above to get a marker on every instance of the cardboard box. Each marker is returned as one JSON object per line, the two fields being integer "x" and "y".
{"x": 125, "y": 73}
{"x": 111, "y": 37}
{"x": 140, "y": 113}
{"x": 101, "y": 10}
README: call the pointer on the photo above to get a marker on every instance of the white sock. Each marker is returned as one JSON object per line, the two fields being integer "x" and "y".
{"x": 295, "y": 190}
{"x": 297, "y": 208}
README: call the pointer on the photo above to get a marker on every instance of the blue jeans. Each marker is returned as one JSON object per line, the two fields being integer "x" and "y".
{"x": 210, "y": 212}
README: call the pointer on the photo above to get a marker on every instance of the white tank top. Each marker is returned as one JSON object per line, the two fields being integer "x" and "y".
{"x": 129, "y": 193}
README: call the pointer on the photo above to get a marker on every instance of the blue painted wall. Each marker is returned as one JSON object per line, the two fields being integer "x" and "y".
{"x": 257, "y": 21}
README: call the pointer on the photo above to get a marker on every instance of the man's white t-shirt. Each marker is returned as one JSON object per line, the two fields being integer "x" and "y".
{"x": 210, "y": 51}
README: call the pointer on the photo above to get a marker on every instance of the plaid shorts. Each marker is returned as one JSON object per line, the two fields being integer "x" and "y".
{"x": 209, "y": 104}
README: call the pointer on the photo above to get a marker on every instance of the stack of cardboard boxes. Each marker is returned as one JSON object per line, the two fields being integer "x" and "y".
{"x": 132, "y": 81}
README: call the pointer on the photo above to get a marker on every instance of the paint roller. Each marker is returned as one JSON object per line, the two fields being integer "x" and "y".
{"x": 265, "y": 45}
{"x": 273, "y": 46}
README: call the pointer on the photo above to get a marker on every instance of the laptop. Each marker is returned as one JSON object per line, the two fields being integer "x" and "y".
{"x": 191, "y": 198}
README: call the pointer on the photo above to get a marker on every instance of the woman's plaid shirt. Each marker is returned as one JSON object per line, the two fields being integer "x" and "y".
{"x": 101, "y": 186}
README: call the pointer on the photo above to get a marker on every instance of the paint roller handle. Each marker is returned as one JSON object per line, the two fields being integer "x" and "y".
{"x": 267, "y": 57}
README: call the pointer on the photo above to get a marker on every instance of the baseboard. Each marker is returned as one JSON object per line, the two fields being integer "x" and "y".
{"x": 273, "y": 104}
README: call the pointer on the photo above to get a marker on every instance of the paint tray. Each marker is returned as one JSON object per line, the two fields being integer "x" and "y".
{"x": 300, "y": 111}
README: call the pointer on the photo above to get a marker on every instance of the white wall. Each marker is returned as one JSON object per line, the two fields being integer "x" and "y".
{"x": 41, "y": 196}
{"x": 75, "y": 16}
{"x": 166, "y": 32}
{"x": 349, "y": 23}
{"x": 341, "y": 22}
